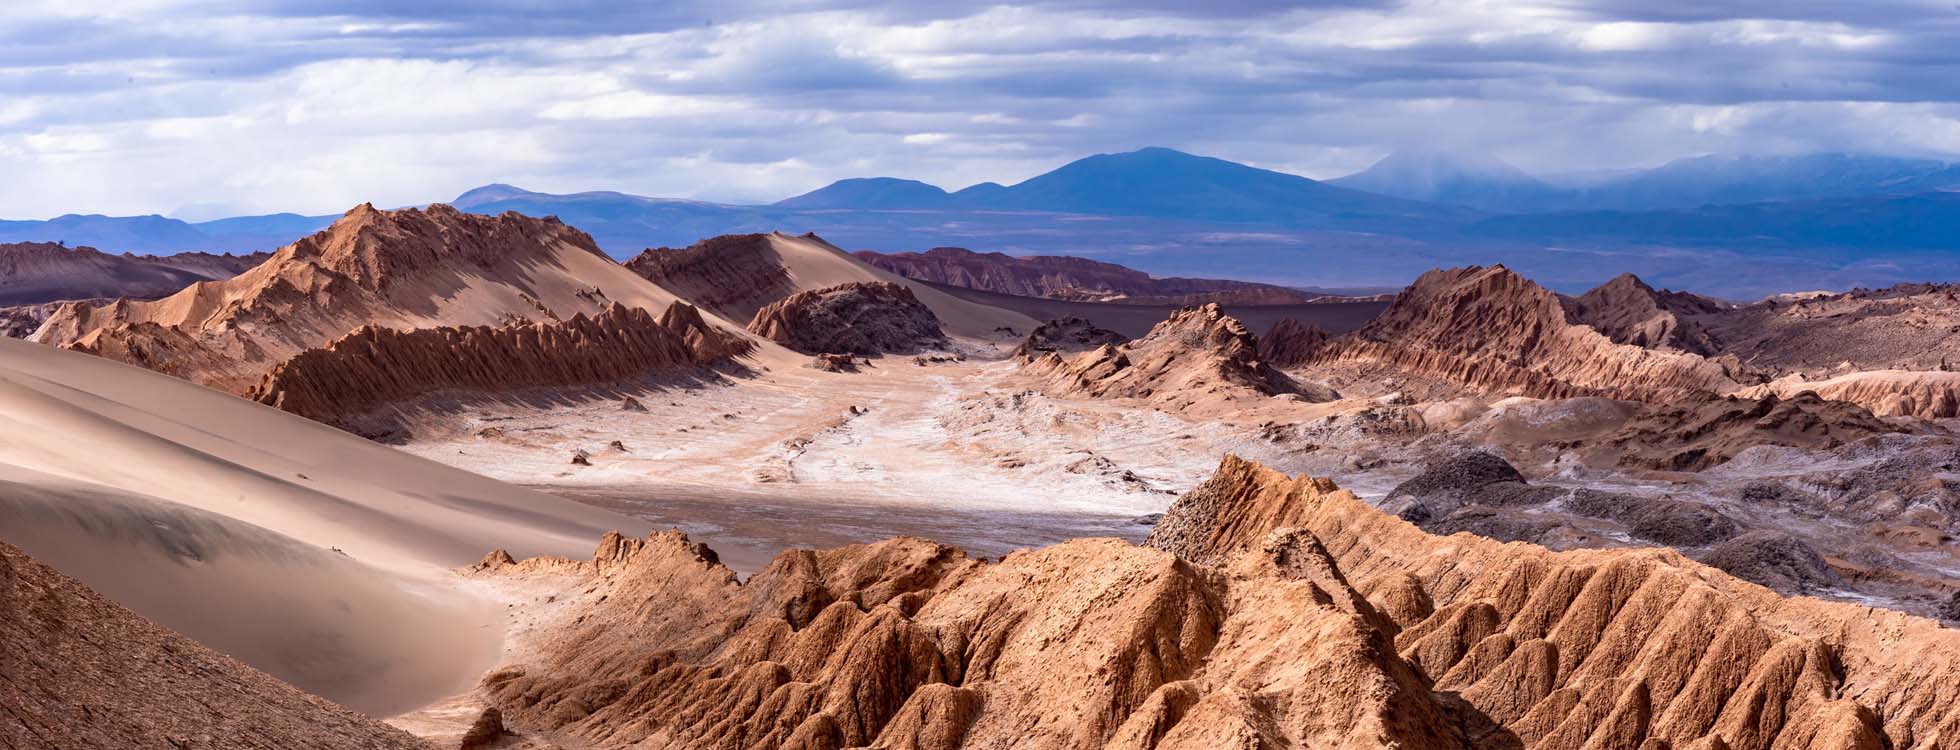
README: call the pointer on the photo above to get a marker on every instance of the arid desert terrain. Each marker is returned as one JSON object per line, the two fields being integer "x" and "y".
{"x": 432, "y": 478}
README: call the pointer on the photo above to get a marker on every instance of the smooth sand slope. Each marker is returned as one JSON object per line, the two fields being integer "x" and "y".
{"x": 307, "y": 552}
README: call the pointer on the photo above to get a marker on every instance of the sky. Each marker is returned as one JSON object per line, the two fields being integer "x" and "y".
{"x": 200, "y": 109}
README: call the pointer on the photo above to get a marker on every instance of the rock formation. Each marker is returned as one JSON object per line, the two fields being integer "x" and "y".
{"x": 1077, "y": 279}
{"x": 1905, "y": 327}
{"x": 1273, "y": 612}
{"x": 1197, "y": 354}
{"x": 1289, "y": 343}
{"x": 376, "y": 366}
{"x": 1887, "y": 393}
{"x": 1628, "y": 311}
{"x": 732, "y": 275}
{"x": 1600, "y": 648}
{"x": 1695, "y": 435}
{"x": 410, "y": 268}
{"x": 1492, "y": 331}
{"x": 39, "y": 272}
{"x": 863, "y": 318}
{"x": 79, "y": 671}
{"x": 1066, "y": 336}
{"x": 21, "y": 321}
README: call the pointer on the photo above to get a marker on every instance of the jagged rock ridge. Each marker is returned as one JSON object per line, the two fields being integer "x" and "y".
{"x": 1198, "y": 353}
{"x": 374, "y": 366}
{"x": 861, "y": 317}
{"x": 732, "y": 275}
{"x": 1601, "y": 648}
{"x": 1491, "y": 330}
{"x": 79, "y": 671}
{"x": 1628, "y": 311}
{"x": 1291, "y": 614}
{"x": 407, "y": 268}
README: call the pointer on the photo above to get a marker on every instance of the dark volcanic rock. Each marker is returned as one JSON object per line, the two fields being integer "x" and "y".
{"x": 1067, "y": 336}
{"x": 863, "y": 318}
{"x": 1470, "y": 478}
{"x": 1776, "y": 560}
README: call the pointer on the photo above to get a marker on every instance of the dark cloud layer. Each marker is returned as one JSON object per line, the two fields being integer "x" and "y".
{"x": 256, "y": 105}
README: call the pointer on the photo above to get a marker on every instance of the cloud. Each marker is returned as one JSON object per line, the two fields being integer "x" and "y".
{"x": 136, "y": 106}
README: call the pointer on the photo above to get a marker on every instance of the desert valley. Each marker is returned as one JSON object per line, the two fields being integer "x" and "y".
{"x": 1115, "y": 375}
{"x": 960, "y": 500}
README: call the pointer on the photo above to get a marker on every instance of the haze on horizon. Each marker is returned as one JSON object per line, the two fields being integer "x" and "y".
{"x": 224, "y": 107}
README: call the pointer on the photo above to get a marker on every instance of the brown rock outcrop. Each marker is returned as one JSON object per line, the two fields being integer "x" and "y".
{"x": 1887, "y": 393}
{"x": 1628, "y": 311}
{"x": 1290, "y": 343}
{"x": 1291, "y": 615}
{"x": 403, "y": 269}
{"x": 21, "y": 321}
{"x": 1905, "y": 327}
{"x": 1197, "y": 354}
{"x": 79, "y": 671}
{"x": 1492, "y": 331}
{"x": 1695, "y": 435}
{"x": 1067, "y": 336}
{"x": 1602, "y": 648}
{"x": 374, "y": 366}
{"x": 1076, "y": 279}
{"x": 863, "y": 318}
{"x": 732, "y": 275}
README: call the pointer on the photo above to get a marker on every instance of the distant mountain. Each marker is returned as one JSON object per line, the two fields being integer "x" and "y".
{"x": 871, "y": 193}
{"x": 161, "y": 235}
{"x": 1846, "y": 227}
{"x": 1726, "y": 180}
{"x": 623, "y": 224}
{"x": 1684, "y": 183}
{"x": 1487, "y": 184}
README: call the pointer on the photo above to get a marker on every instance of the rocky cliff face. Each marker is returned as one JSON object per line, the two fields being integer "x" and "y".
{"x": 1289, "y": 343}
{"x": 1887, "y": 393}
{"x": 83, "y": 672}
{"x": 376, "y": 366}
{"x": 1198, "y": 354}
{"x": 409, "y": 268}
{"x": 1078, "y": 279}
{"x": 732, "y": 275}
{"x": 1267, "y": 611}
{"x": 1492, "y": 331}
{"x": 862, "y": 318}
{"x": 1628, "y": 311}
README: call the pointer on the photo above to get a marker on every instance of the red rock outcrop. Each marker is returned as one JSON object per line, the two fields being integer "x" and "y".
{"x": 1628, "y": 311}
{"x": 733, "y": 275}
{"x": 1273, "y": 612}
{"x": 862, "y": 318}
{"x": 1600, "y": 648}
{"x": 79, "y": 671}
{"x": 409, "y": 268}
{"x": 1078, "y": 279}
{"x": 376, "y": 366}
{"x": 1492, "y": 331}
{"x": 1198, "y": 354}
{"x": 38, "y": 272}
{"x": 1289, "y": 343}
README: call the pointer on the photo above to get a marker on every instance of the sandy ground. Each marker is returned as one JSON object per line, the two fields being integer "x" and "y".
{"x": 321, "y": 558}
{"x": 960, "y": 452}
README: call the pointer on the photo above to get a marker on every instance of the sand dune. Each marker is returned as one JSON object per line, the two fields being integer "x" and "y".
{"x": 265, "y": 535}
